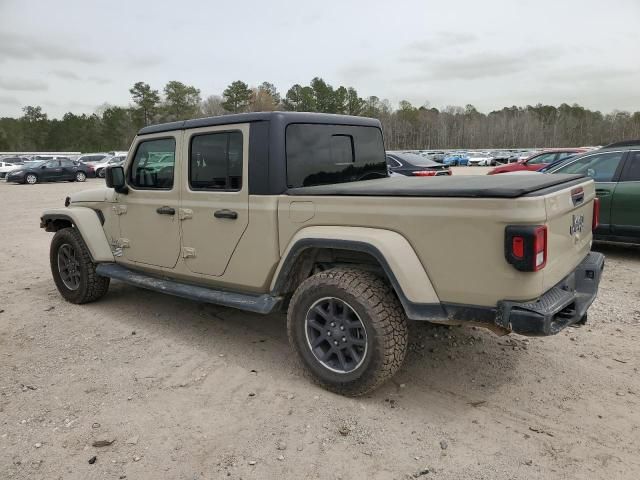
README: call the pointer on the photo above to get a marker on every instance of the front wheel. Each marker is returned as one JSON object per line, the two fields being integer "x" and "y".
{"x": 100, "y": 173}
{"x": 31, "y": 178}
{"x": 81, "y": 176}
{"x": 73, "y": 271}
{"x": 349, "y": 329}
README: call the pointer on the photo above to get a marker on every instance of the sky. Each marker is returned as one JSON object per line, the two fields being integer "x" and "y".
{"x": 69, "y": 55}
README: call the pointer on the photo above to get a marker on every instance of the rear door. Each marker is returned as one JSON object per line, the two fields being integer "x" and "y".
{"x": 215, "y": 196}
{"x": 605, "y": 169}
{"x": 625, "y": 206}
{"x": 68, "y": 169}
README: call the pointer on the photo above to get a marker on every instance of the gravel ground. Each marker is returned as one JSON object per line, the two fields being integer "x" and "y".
{"x": 192, "y": 391}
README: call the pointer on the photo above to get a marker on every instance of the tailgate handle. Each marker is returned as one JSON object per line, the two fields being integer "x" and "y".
{"x": 226, "y": 214}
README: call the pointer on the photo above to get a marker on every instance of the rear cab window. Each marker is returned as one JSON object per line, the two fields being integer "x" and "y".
{"x": 320, "y": 154}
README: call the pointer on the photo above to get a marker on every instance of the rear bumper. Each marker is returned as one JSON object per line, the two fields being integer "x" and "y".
{"x": 563, "y": 305}
{"x": 560, "y": 307}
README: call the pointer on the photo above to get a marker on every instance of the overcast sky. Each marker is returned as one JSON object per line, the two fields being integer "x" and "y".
{"x": 69, "y": 55}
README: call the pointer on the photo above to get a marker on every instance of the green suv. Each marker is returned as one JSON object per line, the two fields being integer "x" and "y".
{"x": 616, "y": 171}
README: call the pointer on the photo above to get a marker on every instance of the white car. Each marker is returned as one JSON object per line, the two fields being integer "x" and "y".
{"x": 479, "y": 159}
{"x": 100, "y": 167}
{"x": 6, "y": 167}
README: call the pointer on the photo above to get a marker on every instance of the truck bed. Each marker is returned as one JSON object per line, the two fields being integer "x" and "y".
{"x": 471, "y": 186}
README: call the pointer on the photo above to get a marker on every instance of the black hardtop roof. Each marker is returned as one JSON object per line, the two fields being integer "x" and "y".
{"x": 283, "y": 118}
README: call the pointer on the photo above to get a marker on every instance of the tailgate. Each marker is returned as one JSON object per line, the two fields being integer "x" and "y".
{"x": 569, "y": 224}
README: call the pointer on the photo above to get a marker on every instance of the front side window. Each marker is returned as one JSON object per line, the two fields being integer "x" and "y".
{"x": 215, "y": 161}
{"x": 153, "y": 165}
{"x": 325, "y": 154}
{"x": 67, "y": 163}
{"x": 53, "y": 164}
{"x": 601, "y": 167}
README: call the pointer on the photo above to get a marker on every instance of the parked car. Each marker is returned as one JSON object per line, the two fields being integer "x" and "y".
{"x": 49, "y": 171}
{"x": 413, "y": 164}
{"x": 8, "y": 164}
{"x": 479, "y": 159}
{"x": 92, "y": 157}
{"x": 318, "y": 229}
{"x": 616, "y": 171}
{"x": 100, "y": 167}
{"x": 500, "y": 157}
{"x": 537, "y": 161}
{"x": 456, "y": 159}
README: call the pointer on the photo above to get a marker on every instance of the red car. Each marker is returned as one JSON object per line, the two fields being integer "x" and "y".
{"x": 539, "y": 160}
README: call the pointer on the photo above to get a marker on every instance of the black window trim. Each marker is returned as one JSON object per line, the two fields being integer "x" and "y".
{"x": 214, "y": 132}
{"x": 127, "y": 175}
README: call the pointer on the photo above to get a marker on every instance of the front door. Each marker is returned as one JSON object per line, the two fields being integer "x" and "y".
{"x": 215, "y": 198}
{"x": 51, "y": 171}
{"x": 149, "y": 223}
{"x": 625, "y": 207}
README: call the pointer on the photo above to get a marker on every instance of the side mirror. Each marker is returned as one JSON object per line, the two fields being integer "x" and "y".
{"x": 43, "y": 167}
{"x": 114, "y": 176}
{"x": 591, "y": 172}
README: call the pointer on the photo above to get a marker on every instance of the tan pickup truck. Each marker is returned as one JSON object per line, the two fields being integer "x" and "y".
{"x": 295, "y": 212}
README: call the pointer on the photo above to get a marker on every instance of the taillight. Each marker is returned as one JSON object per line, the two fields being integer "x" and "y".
{"x": 526, "y": 247}
{"x": 425, "y": 173}
{"x": 596, "y": 214}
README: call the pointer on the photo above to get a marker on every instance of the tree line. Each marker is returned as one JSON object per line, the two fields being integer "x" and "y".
{"x": 405, "y": 127}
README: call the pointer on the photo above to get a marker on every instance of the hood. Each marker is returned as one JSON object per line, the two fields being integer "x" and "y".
{"x": 95, "y": 195}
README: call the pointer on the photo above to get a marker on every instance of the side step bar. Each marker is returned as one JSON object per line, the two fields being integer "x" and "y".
{"x": 264, "y": 303}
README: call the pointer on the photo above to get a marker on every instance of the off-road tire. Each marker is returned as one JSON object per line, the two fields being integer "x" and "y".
{"x": 378, "y": 308}
{"x": 92, "y": 286}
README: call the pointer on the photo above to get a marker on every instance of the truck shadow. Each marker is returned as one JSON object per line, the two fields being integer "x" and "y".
{"x": 445, "y": 364}
{"x": 618, "y": 251}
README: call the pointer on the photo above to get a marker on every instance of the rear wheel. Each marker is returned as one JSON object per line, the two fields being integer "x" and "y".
{"x": 81, "y": 176}
{"x": 349, "y": 329}
{"x": 100, "y": 173}
{"x": 31, "y": 178}
{"x": 73, "y": 271}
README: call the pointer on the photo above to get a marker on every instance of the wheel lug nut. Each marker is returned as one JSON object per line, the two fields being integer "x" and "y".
{"x": 342, "y": 327}
{"x": 333, "y": 324}
{"x": 344, "y": 339}
{"x": 335, "y": 342}
{"x": 328, "y": 334}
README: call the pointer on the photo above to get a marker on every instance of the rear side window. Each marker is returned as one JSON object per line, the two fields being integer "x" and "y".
{"x": 631, "y": 171}
{"x": 325, "y": 154}
{"x": 153, "y": 164}
{"x": 215, "y": 161}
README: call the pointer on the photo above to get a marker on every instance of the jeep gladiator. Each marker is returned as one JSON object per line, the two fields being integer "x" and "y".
{"x": 295, "y": 212}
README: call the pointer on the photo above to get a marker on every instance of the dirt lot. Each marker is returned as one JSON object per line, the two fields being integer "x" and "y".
{"x": 191, "y": 391}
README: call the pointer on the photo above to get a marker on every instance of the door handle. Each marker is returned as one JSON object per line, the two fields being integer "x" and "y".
{"x": 226, "y": 214}
{"x": 166, "y": 210}
{"x": 602, "y": 193}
